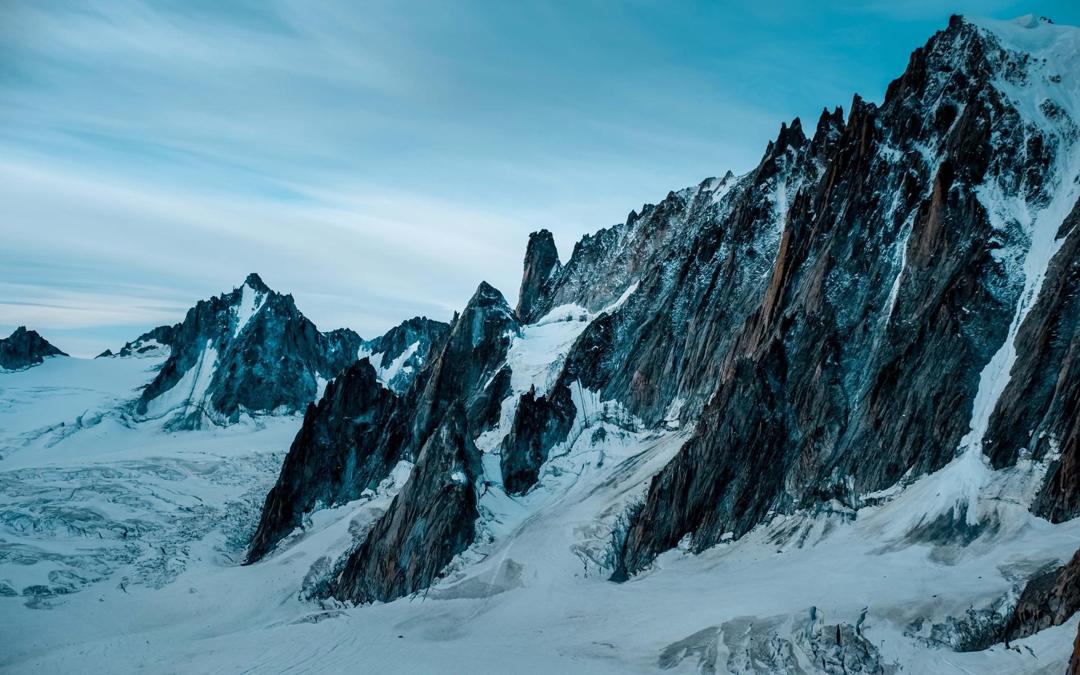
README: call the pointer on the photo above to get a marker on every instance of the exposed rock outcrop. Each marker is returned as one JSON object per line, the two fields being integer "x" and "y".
{"x": 155, "y": 342}
{"x": 541, "y": 265}
{"x": 25, "y": 348}
{"x": 540, "y": 423}
{"x": 400, "y": 353}
{"x": 472, "y": 356}
{"x": 1037, "y": 412}
{"x": 833, "y": 386}
{"x": 429, "y": 522}
{"x": 840, "y": 319}
{"x": 359, "y": 431}
{"x": 1049, "y": 599}
{"x": 349, "y": 442}
{"x": 1074, "y": 663}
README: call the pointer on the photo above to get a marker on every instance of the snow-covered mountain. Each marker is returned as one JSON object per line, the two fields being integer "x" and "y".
{"x": 153, "y": 343}
{"x": 250, "y": 350}
{"x": 820, "y": 417}
{"x": 400, "y": 353}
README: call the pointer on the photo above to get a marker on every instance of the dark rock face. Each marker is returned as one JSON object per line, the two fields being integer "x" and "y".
{"x": 429, "y": 522}
{"x": 1048, "y": 600}
{"x": 360, "y": 430}
{"x": 1037, "y": 411}
{"x": 823, "y": 321}
{"x": 696, "y": 264}
{"x": 25, "y": 348}
{"x": 486, "y": 407}
{"x": 833, "y": 387}
{"x": 540, "y": 423}
{"x": 405, "y": 348}
{"x": 154, "y": 342}
{"x": 348, "y": 443}
{"x": 541, "y": 265}
{"x": 249, "y": 350}
{"x": 473, "y": 354}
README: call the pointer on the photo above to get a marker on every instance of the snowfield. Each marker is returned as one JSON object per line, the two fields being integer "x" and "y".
{"x": 120, "y": 549}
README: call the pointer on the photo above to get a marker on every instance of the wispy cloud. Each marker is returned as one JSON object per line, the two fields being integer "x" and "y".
{"x": 379, "y": 159}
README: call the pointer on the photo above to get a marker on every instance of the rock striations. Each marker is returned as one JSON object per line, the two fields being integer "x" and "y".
{"x": 429, "y": 522}
{"x": 916, "y": 251}
{"x": 1048, "y": 600}
{"x": 348, "y": 442}
{"x": 888, "y": 295}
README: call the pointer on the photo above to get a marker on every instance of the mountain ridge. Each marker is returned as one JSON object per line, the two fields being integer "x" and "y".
{"x": 779, "y": 310}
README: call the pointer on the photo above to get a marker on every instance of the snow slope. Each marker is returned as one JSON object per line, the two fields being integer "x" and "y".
{"x": 120, "y": 549}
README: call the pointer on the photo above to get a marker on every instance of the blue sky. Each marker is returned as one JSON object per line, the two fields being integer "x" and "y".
{"x": 378, "y": 160}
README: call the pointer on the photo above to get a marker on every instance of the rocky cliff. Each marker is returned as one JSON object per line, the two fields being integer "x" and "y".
{"x": 360, "y": 430}
{"x": 429, "y": 522}
{"x": 349, "y": 441}
{"x": 888, "y": 295}
{"x": 1047, "y": 600}
{"x": 25, "y": 348}
{"x": 400, "y": 353}
{"x": 918, "y": 250}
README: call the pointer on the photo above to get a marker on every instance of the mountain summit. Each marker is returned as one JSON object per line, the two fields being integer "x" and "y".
{"x": 249, "y": 350}
{"x": 25, "y": 348}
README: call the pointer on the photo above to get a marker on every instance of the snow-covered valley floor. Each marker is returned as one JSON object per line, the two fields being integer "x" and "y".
{"x": 120, "y": 546}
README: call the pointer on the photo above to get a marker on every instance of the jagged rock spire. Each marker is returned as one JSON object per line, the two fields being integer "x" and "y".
{"x": 429, "y": 522}
{"x": 541, "y": 264}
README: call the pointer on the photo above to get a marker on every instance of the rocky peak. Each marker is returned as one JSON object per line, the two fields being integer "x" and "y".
{"x": 789, "y": 137}
{"x": 25, "y": 348}
{"x": 900, "y": 258}
{"x": 541, "y": 264}
{"x": 249, "y": 350}
{"x": 360, "y": 430}
{"x": 474, "y": 351}
{"x": 399, "y": 354}
{"x": 809, "y": 318}
{"x": 255, "y": 282}
{"x": 486, "y": 313}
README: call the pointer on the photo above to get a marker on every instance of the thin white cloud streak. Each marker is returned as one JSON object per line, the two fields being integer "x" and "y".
{"x": 48, "y": 307}
{"x": 361, "y": 262}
